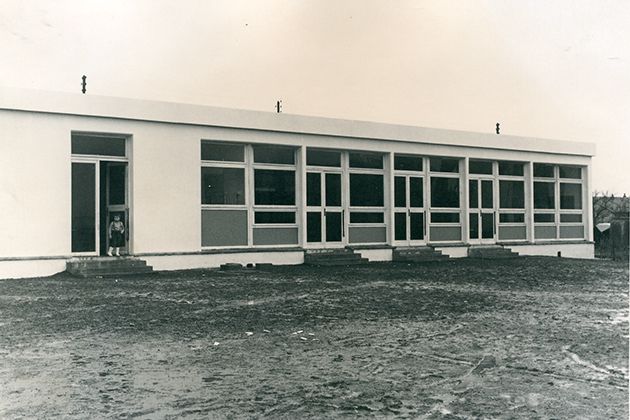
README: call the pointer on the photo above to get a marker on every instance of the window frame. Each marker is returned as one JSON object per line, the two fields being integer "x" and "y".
{"x": 556, "y": 180}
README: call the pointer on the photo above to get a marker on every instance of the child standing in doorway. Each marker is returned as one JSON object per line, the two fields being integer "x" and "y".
{"x": 116, "y": 235}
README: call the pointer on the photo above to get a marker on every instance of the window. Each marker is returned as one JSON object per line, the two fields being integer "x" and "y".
{"x": 542, "y": 170}
{"x": 372, "y": 217}
{"x": 544, "y": 197}
{"x": 544, "y": 218}
{"x": 444, "y": 192}
{"x": 511, "y": 218}
{"x": 570, "y": 218}
{"x": 444, "y": 217}
{"x": 407, "y": 163}
{"x": 510, "y": 168}
{"x": 222, "y": 185}
{"x": 323, "y": 158}
{"x": 511, "y": 194}
{"x": 480, "y": 167}
{"x": 286, "y": 217}
{"x": 313, "y": 189}
{"x": 222, "y": 152}
{"x": 366, "y": 190}
{"x": 572, "y": 172}
{"x": 444, "y": 165}
{"x": 85, "y": 144}
{"x": 570, "y": 196}
{"x": 274, "y": 187}
{"x": 366, "y": 160}
{"x": 400, "y": 191}
{"x": 274, "y": 154}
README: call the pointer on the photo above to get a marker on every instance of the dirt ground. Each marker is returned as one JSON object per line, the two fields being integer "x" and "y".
{"x": 522, "y": 338}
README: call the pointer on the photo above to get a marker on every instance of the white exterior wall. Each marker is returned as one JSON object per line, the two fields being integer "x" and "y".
{"x": 583, "y": 250}
{"x": 34, "y": 185}
{"x": 165, "y": 173}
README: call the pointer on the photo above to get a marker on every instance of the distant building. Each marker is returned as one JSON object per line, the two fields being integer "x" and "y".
{"x": 199, "y": 186}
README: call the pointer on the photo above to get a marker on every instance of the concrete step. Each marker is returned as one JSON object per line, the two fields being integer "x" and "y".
{"x": 337, "y": 263}
{"x": 333, "y": 257}
{"x": 107, "y": 266}
{"x": 491, "y": 252}
{"x": 112, "y": 273}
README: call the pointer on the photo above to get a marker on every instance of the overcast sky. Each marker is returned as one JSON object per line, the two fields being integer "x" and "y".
{"x": 551, "y": 69}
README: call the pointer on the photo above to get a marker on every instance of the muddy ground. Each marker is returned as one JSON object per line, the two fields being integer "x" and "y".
{"x": 522, "y": 338}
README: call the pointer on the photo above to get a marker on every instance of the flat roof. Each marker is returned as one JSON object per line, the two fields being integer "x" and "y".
{"x": 176, "y": 113}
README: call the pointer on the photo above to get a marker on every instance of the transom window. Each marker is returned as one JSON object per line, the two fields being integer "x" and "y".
{"x": 101, "y": 145}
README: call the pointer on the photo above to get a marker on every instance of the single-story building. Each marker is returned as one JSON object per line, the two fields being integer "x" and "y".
{"x": 200, "y": 186}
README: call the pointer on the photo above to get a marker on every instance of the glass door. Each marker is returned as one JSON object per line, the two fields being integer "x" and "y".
{"x": 409, "y": 214}
{"x": 114, "y": 201}
{"x": 482, "y": 211}
{"x": 325, "y": 212}
{"x": 85, "y": 194}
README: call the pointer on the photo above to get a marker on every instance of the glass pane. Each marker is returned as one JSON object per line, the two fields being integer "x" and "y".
{"x": 570, "y": 172}
{"x": 366, "y": 160}
{"x": 512, "y": 194}
{"x": 487, "y": 225}
{"x": 444, "y": 192}
{"x": 400, "y": 226}
{"x": 570, "y": 218}
{"x": 544, "y": 218}
{"x": 333, "y": 189}
{"x": 444, "y": 165}
{"x": 416, "y": 226}
{"x": 543, "y": 170}
{"x": 333, "y": 226}
{"x": 313, "y": 226}
{"x": 444, "y": 217}
{"x": 359, "y": 217}
{"x": 570, "y": 196}
{"x": 222, "y": 186}
{"x": 511, "y": 218}
{"x": 116, "y": 184}
{"x": 273, "y": 187}
{"x": 274, "y": 217}
{"x": 487, "y": 195}
{"x": 222, "y": 152}
{"x": 473, "y": 194}
{"x": 313, "y": 189}
{"x": 83, "y": 207}
{"x": 366, "y": 190}
{"x": 473, "y": 225}
{"x": 480, "y": 167}
{"x": 544, "y": 197}
{"x": 323, "y": 158}
{"x": 416, "y": 198}
{"x": 274, "y": 154}
{"x": 400, "y": 191}
{"x": 510, "y": 168}
{"x": 408, "y": 163}
{"x": 83, "y": 144}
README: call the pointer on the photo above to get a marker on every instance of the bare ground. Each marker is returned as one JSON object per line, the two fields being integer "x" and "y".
{"x": 523, "y": 338}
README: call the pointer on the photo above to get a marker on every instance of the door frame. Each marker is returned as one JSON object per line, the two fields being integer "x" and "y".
{"x": 96, "y": 160}
{"x": 323, "y": 208}
{"x": 480, "y": 210}
{"x": 408, "y": 209}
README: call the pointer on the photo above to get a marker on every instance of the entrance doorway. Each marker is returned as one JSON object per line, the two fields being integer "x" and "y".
{"x": 482, "y": 211}
{"x": 99, "y": 192}
{"x": 324, "y": 209}
{"x": 409, "y": 214}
